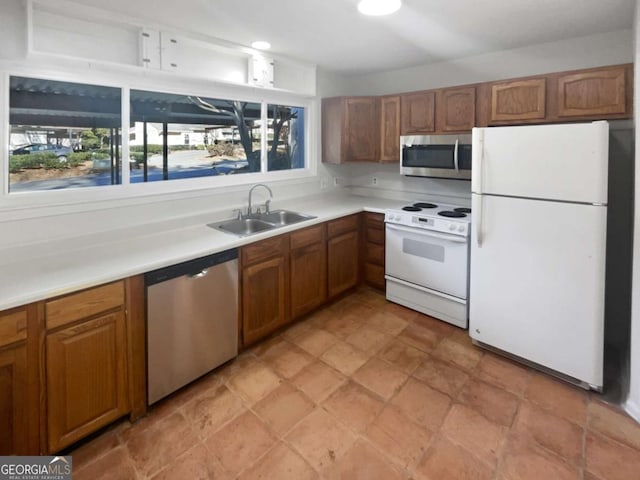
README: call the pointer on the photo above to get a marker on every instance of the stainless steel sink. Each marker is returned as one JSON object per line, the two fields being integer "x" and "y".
{"x": 257, "y": 223}
{"x": 284, "y": 217}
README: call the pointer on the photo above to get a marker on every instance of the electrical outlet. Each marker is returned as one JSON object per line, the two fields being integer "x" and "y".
{"x": 374, "y": 181}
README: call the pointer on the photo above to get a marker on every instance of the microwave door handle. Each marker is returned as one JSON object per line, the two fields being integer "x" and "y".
{"x": 420, "y": 231}
{"x": 455, "y": 154}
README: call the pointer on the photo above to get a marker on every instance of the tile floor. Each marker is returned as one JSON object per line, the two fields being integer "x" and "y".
{"x": 366, "y": 389}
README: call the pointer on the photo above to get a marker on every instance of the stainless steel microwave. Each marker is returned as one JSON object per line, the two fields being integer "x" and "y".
{"x": 439, "y": 156}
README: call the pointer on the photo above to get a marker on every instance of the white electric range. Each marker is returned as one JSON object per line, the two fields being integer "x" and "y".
{"x": 427, "y": 259}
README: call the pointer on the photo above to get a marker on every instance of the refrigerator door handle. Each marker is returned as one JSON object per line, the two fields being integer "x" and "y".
{"x": 455, "y": 155}
{"x": 477, "y": 154}
{"x": 477, "y": 210}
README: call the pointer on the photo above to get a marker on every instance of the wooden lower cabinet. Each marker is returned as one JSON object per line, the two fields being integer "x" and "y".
{"x": 265, "y": 292}
{"x": 308, "y": 269}
{"x": 373, "y": 250}
{"x": 342, "y": 263}
{"x": 86, "y": 378}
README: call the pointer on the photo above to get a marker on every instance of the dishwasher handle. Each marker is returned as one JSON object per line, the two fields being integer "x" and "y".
{"x": 197, "y": 268}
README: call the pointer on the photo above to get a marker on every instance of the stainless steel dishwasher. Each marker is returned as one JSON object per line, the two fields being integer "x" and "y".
{"x": 192, "y": 320}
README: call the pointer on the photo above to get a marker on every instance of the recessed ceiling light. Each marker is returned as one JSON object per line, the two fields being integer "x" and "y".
{"x": 261, "y": 45}
{"x": 378, "y": 7}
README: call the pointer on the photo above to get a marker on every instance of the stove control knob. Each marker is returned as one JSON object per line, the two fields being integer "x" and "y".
{"x": 452, "y": 227}
{"x": 461, "y": 228}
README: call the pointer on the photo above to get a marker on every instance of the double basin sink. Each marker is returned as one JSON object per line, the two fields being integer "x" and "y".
{"x": 260, "y": 222}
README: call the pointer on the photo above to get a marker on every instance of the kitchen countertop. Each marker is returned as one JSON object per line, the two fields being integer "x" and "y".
{"x": 62, "y": 267}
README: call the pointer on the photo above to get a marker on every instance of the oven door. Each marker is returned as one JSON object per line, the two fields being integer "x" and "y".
{"x": 432, "y": 260}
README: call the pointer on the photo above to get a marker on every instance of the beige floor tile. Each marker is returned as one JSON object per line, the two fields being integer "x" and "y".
{"x": 287, "y": 359}
{"x": 254, "y": 382}
{"x": 363, "y": 462}
{"x": 525, "y": 460}
{"x": 368, "y": 339}
{"x": 447, "y": 461}
{"x": 380, "y": 377}
{"x": 91, "y": 451}
{"x": 266, "y": 345}
{"x": 354, "y": 406}
{"x": 283, "y": 408}
{"x": 318, "y": 381}
{"x": 399, "y": 311}
{"x": 297, "y": 329}
{"x": 401, "y": 355}
{"x": 195, "y": 464}
{"x": 442, "y": 376}
{"x": 440, "y": 327}
{"x": 280, "y": 463}
{"x": 343, "y": 325}
{"x": 611, "y": 460}
{"x": 344, "y": 358}
{"x": 315, "y": 341}
{"x": 240, "y": 442}
{"x": 494, "y": 403}
{"x": 464, "y": 356}
{"x": 208, "y": 413}
{"x": 154, "y": 448}
{"x": 321, "y": 439}
{"x": 113, "y": 465}
{"x": 558, "y": 398}
{"x": 387, "y": 323}
{"x": 554, "y": 433}
{"x": 476, "y": 433}
{"x": 613, "y": 423}
{"x": 395, "y": 435}
{"x": 422, "y": 404}
{"x": 420, "y": 337}
{"x": 503, "y": 373}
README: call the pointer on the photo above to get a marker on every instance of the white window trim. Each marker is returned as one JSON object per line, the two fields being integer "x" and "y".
{"x": 78, "y": 199}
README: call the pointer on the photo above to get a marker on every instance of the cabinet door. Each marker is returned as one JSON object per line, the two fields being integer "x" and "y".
{"x": 456, "y": 109}
{"x": 418, "y": 113}
{"x": 362, "y": 131}
{"x": 264, "y": 298}
{"x": 342, "y": 264}
{"x": 332, "y": 129}
{"x": 308, "y": 278}
{"x": 86, "y": 378}
{"x": 518, "y": 100}
{"x": 600, "y": 92}
{"x": 390, "y": 129}
{"x": 14, "y": 414}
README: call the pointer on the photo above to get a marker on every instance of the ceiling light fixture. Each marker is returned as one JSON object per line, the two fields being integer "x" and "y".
{"x": 378, "y": 7}
{"x": 261, "y": 45}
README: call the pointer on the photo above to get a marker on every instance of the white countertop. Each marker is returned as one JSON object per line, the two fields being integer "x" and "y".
{"x": 64, "y": 267}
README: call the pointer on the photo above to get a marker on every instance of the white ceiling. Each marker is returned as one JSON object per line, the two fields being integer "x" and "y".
{"x": 333, "y": 35}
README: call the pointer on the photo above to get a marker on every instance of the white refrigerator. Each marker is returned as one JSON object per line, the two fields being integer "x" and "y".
{"x": 537, "y": 269}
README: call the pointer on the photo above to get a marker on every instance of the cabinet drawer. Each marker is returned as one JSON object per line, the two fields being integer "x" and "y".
{"x": 375, "y": 220}
{"x": 342, "y": 225}
{"x": 307, "y": 236}
{"x": 374, "y": 253}
{"x": 374, "y": 275}
{"x": 375, "y": 235}
{"x": 264, "y": 249}
{"x": 71, "y": 308}
{"x": 13, "y": 326}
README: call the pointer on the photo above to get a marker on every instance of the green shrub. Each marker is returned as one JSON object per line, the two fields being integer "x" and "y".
{"x": 79, "y": 157}
{"x": 33, "y": 160}
{"x": 138, "y": 157}
{"x": 152, "y": 149}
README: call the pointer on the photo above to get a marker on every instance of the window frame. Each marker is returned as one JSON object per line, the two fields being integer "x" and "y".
{"x": 160, "y": 82}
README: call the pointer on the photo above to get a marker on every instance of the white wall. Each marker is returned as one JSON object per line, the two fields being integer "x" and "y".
{"x": 633, "y": 401}
{"x": 584, "y": 52}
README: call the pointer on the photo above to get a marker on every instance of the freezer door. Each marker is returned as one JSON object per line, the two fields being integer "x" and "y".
{"x": 559, "y": 162}
{"x": 537, "y": 282}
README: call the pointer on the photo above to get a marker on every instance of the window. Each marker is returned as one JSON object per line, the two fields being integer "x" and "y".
{"x": 285, "y": 148}
{"x": 182, "y": 136}
{"x": 63, "y": 135}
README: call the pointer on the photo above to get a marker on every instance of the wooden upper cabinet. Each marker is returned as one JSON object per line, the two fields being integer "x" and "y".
{"x": 518, "y": 100}
{"x": 598, "y": 92}
{"x": 361, "y": 128}
{"x": 418, "y": 113}
{"x": 332, "y": 129}
{"x": 456, "y": 109}
{"x": 390, "y": 129}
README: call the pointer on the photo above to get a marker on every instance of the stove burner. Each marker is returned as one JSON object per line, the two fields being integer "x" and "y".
{"x": 411, "y": 209}
{"x": 452, "y": 214}
{"x": 425, "y": 205}
{"x": 462, "y": 210}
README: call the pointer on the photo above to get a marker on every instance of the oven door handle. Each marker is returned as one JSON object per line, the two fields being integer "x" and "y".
{"x": 420, "y": 231}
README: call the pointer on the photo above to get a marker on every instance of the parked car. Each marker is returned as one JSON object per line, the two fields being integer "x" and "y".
{"x": 60, "y": 151}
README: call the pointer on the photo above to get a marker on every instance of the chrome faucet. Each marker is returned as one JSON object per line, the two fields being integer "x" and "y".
{"x": 249, "y": 209}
